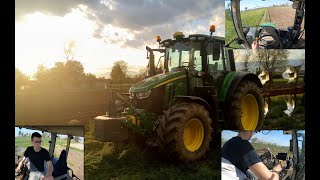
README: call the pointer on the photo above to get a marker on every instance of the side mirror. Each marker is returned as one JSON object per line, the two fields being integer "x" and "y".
{"x": 291, "y": 146}
{"x": 216, "y": 51}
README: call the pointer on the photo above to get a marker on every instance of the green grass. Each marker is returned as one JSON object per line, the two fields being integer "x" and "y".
{"x": 277, "y": 119}
{"x": 251, "y": 18}
{"x": 128, "y": 161}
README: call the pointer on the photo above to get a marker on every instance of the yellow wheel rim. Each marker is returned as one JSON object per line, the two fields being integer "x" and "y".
{"x": 250, "y": 112}
{"x": 193, "y": 134}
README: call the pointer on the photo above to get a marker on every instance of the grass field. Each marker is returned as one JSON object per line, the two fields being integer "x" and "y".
{"x": 251, "y": 18}
{"x": 277, "y": 119}
{"x": 106, "y": 160}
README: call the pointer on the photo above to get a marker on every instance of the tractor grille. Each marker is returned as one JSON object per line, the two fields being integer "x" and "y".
{"x": 154, "y": 103}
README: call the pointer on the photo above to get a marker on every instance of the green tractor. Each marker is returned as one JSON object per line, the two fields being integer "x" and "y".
{"x": 182, "y": 109}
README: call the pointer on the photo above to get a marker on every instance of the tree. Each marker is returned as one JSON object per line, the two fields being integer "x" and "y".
{"x": 246, "y": 57}
{"x": 142, "y": 73}
{"x": 270, "y": 58}
{"x": 19, "y": 133}
{"x": 41, "y": 72}
{"x": 74, "y": 71}
{"x": 20, "y": 79}
{"x": 71, "y": 72}
{"x": 69, "y": 50}
{"x": 118, "y": 71}
{"x": 90, "y": 79}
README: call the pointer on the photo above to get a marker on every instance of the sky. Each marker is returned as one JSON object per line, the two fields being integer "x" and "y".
{"x": 102, "y": 32}
{"x": 253, "y": 4}
{"x": 274, "y": 136}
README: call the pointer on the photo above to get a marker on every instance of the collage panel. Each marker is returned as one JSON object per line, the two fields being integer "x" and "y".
{"x": 263, "y": 154}
{"x": 150, "y": 96}
{"x": 279, "y": 99}
{"x": 55, "y": 152}
{"x": 265, "y": 24}
{"x": 141, "y": 83}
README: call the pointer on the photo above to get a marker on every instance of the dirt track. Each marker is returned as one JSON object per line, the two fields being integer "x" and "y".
{"x": 283, "y": 17}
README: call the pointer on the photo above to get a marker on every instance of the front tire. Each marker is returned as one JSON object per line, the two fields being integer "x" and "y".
{"x": 184, "y": 132}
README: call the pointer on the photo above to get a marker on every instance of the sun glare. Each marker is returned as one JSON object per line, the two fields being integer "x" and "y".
{"x": 40, "y": 39}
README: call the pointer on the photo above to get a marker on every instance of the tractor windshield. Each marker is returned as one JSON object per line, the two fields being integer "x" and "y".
{"x": 188, "y": 55}
{"x": 184, "y": 55}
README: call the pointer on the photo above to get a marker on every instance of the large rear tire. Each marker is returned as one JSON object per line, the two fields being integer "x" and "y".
{"x": 247, "y": 107}
{"x": 184, "y": 132}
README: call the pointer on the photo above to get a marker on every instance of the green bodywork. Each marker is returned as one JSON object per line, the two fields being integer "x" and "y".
{"x": 180, "y": 88}
{"x": 154, "y": 81}
{"x": 267, "y": 24}
{"x": 178, "y": 80}
{"x": 224, "y": 87}
{"x": 146, "y": 120}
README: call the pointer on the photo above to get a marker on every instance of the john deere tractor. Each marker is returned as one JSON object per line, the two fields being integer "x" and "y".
{"x": 181, "y": 110}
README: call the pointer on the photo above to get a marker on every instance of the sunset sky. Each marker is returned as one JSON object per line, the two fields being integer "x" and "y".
{"x": 105, "y": 31}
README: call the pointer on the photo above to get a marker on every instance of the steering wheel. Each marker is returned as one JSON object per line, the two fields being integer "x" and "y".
{"x": 265, "y": 44}
{"x": 270, "y": 160}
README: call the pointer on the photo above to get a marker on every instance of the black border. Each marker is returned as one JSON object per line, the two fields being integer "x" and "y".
{"x": 7, "y": 78}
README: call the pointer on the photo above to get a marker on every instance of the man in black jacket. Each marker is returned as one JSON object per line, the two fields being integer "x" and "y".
{"x": 243, "y": 156}
{"x": 37, "y": 156}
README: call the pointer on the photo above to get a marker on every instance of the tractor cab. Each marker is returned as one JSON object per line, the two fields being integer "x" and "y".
{"x": 197, "y": 53}
{"x": 58, "y": 151}
{"x": 203, "y": 57}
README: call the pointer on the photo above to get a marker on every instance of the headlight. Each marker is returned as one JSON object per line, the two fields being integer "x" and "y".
{"x": 143, "y": 94}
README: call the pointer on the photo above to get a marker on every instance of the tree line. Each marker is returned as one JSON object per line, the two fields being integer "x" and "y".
{"x": 71, "y": 73}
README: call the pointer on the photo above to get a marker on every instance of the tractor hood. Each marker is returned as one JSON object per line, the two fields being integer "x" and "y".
{"x": 156, "y": 81}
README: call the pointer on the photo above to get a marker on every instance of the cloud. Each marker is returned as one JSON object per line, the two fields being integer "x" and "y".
{"x": 56, "y": 7}
{"x": 141, "y": 19}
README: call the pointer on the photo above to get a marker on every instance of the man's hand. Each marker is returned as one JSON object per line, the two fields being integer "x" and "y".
{"x": 18, "y": 170}
{"x": 277, "y": 168}
{"x": 255, "y": 45}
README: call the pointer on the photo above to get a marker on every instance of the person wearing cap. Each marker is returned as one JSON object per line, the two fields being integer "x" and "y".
{"x": 37, "y": 157}
{"x": 238, "y": 157}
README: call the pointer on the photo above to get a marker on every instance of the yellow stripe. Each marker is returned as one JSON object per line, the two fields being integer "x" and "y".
{"x": 170, "y": 80}
{"x": 133, "y": 119}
